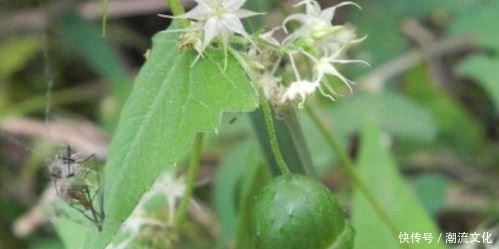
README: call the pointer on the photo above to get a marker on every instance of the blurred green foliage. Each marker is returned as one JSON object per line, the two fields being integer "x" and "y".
{"x": 415, "y": 116}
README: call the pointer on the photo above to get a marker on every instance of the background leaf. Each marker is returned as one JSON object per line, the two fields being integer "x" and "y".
{"x": 378, "y": 172}
{"x": 241, "y": 160}
{"x": 481, "y": 23}
{"x": 372, "y": 108}
{"x": 16, "y": 52}
{"x": 485, "y": 71}
{"x": 457, "y": 128}
{"x": 170, "y": 102}
{"x": 85, "y": 38}
{"x": 381, "y": 21}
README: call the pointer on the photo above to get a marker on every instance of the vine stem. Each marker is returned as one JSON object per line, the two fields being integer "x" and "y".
{"x": 192, "y": 173}
{"x": 267, "y": 113}
{"x": 105, "y": 8}
{"x": 274, "y": 144}
{"x": 350, "y": 170}
{"x": 177, "y": 9}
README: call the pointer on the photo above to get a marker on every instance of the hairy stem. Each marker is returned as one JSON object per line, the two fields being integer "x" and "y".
{"x": 274, "y": 144}
{"x": 177, "y": 9}
{"x": 192, "y": 173}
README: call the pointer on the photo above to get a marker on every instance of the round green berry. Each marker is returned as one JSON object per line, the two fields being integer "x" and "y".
{"x": 297, "y": 212}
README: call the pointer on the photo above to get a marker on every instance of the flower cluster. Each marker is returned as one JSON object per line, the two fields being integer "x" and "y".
{"x": 320, "y": 42}
{"x": 313, "y": 41}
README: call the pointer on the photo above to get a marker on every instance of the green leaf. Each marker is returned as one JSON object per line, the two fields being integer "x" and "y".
{"x": 171, "y": 101}
{"x": 484, "y": 69}
{"x": 378, "y": 172}
{"x": 387, "y": 110}
{"x": 457, "y": 129}
{"x": 480, "y": 22}
{"x": 431, "y": 189}
{"x": 15, "y": 53}
{"x": 240, "y": 160}
{"x": 290, "y": 138}
{"x": 322, "y": 157}
{"x": 70, "y": 231}
{"x": 382, "y": 21}
{"x": 85, "y": 37}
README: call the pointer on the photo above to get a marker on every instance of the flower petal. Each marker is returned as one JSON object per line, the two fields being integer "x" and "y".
{"x": 200, "y": 13}
{"x": 242, "y": 13}
{"x": 233, "y": 5}
{"x": 234, "y": 24}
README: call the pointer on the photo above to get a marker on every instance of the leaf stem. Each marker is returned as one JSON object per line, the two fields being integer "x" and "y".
{"x": 177, "y": 9}
{"x": 274, "y": 144}
{"x": 267, "y": 113}
{"x": 192, "y": 173}
{"x": 105, "y": 8}
{"x": 349, "y": 169}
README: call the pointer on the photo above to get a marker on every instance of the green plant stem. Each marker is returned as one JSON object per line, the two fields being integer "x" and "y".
{"x": 105, "y": 7}
{"x": 349, "y": 169}
{"x": 177, "y": 9}
{"x": 192, "y": 173}
{"x": 267, "y": 113}
{"x": 274, "y": 144}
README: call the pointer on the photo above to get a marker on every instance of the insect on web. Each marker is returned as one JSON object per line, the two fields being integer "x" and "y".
{"x": 75, "y": 183}
{"x": 78, "y": 184}
{"x": 74, "y": 176}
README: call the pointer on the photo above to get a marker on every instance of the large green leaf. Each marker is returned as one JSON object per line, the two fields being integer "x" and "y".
{"x": 378, "y": 172}
{"x": 171, "y": 101}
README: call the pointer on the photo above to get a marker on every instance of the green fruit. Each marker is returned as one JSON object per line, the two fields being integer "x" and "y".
{"x": 297, "y": 212}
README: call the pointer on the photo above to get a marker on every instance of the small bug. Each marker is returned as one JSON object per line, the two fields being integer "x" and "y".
{"x": 75, "y": 182}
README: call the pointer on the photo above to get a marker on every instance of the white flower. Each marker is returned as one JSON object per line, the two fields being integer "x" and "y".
{"x": 324, "y": 66}
{"x": 301, "y": 89}
{"x": 315, "y": 23}
{"x": 217, "y": 18}
{"x": 269, "y": 36}
{"x": 342, "y": 38}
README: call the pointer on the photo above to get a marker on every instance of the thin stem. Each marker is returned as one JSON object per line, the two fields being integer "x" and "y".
{"x": 177, "y": 9}
{"x": 267, "y": 113}
{"x": 192, "y": 173}
{"x": 349, "y": 169}
{"x": 274, "y": 144}
{"x": 105, "y": 8}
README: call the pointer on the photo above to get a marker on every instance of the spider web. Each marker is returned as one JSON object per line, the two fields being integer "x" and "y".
{"x": 73, "y": 185}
